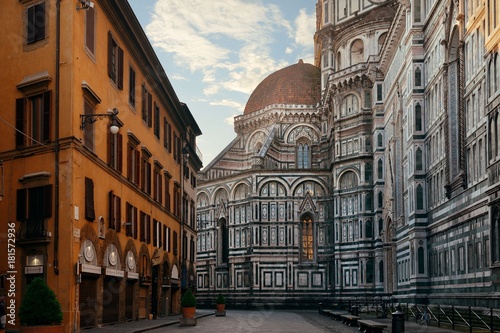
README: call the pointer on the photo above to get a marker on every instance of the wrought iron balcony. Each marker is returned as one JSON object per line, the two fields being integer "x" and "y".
{"x": 33, "y": 231}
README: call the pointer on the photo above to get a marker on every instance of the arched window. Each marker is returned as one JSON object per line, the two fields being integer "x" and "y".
{"x": 455, "y": 122}
{"x": 368, "y": 202}
{"x": 307, "y": 253}
{"x": 418, "y": 160}
{"x": 421, "y": 260}
{"x": 368, "y": 229}
{"x": 369, "y": 270}
{"x": 350, "y": 105}
{"x": 339, "y": 61}
{"x": 418, "y": 77}
{"x": 368, "y": 145}
{"x": 224, "y": 241}
{"x": 357, "y": 52}
{"x": 303, "y": 156}
{"x": 418, "y": 117}
{"x": 381, "y": 271}
{"x": 381, "y": 41}
{"x": 380, "y": 140}
{"x": 420, "y": 197}
{"x": 495, "y": 230}
{"x": 417, "y": 11}
{"x": 380, "y": 169}
{"x": 368, "y": 172}
{"x": 380, "y": 199}
{"x": 380, "y": 226}
{"x": 496, "y": 73}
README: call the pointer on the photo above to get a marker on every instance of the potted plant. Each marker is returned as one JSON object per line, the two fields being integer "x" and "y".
{"x": 188, "y": 304}
{"x": 40, "y": 311}
{"x": 220, "y": 303}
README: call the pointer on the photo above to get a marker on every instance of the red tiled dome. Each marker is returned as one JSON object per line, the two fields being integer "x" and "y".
{"x": 295, "y": 84}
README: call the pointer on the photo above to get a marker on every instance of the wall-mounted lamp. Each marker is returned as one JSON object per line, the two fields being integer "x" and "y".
{"x": 84, "y": 4}
{"x": 92, "y": 118}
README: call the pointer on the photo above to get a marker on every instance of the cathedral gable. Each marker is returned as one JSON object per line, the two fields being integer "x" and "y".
{"x": 307, "y": 205}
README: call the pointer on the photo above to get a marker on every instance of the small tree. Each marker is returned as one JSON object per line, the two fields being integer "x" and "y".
{"x": 188, "y": 300}
{"x": 40, "y": 305}
{"x": 220, "y": 299}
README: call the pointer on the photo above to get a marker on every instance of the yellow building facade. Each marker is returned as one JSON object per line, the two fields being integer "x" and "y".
{"x": 98, "y": 161}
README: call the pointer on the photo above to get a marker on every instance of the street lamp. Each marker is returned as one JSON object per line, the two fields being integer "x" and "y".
{"x": 92, "y": 118}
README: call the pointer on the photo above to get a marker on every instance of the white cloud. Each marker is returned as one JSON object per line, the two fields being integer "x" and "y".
{"x": 226, "y": 102}
{"x": 305, "y": 28}
{"x": 230, "y": 120}
{"x": 229, "y": 41}
{"x": 288, "y": 50}
{"x": 179, "y": 77}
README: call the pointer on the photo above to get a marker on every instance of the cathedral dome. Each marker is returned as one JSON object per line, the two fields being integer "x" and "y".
{"x": 296, "y": 84}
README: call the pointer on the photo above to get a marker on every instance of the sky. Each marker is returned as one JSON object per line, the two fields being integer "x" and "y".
{"x": 216, "y": 52}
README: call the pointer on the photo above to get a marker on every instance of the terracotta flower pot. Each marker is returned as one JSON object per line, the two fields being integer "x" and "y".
{"x": 220, "y": 307}
{"x": 42, "y": 329}
{"x": 188, "y": 312}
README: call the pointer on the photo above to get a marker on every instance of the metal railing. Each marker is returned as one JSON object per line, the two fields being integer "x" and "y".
{"x": 460, "y": 318}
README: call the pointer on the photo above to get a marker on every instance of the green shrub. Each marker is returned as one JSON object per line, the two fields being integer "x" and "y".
{"x": 220, "y": 299}
{"x": 188, "y": 300}
{"x": 39, "y": 305}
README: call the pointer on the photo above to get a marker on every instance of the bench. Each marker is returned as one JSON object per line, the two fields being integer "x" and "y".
{"x": 336, "y": 315}
{"x": 326, "y": 312}
{"x": 349, "y": 319}
{"x": 370, "y": 326}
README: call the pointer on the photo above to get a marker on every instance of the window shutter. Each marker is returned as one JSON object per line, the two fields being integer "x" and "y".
{"x": 89, "y": 29}
{"x": 128, "y": 219}
{"x": 46, "y": 116}
{"x": 21, "y": 205}
{"x": 20, "y": 122}
{"x": 148, "y": 229}
{"x": 155, "y": 232}
{"x": 110, "y": 146}
{"x": 89, "y": 200}
{"x": 39, "y": 22}
{"x": 142, "y": 221}
{"x": 120, "y": 69}
{"x": 150, "y": 110}
{"x": 143, "y": 176}
{"x": 111, "y": 221}
{"x": 31, "y": 25}
{"x": 137, "y": 167}
{"x": 118, "y": 215}
{"x": 110, "y": 56}
{"x": 144, "y": 103}
{"x": 119, "y": 150}
{"x": 165, "y": 124}
{"x": 47, "y": 201}
{"x": 129, "y": 161}
{"x": 134, "y": 212}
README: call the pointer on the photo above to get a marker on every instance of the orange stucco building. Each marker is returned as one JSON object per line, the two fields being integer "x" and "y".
{"x": 106, "y": 219}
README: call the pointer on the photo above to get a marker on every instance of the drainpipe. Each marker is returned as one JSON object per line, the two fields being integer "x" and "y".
{"x": 56, "y": 199}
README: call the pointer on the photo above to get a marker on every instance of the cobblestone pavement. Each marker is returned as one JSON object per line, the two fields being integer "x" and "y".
{"x": 264, "y": 320}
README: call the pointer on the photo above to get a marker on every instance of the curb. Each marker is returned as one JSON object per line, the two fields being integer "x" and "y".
{"x": 169, "y": 324}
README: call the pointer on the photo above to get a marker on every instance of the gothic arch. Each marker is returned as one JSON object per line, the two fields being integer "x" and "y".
{"x": 221, "y": 193}
{"x": 202, "y": 200}
{"x": 348, "y": 179}
{"x": 236, "y": 190}
{"x": 302, "y": 186}
{"x": 294, "y": 133}
{"x": 346, "y": 171}
{"x": 357, "y": 51}
{"x": 256, "y": 140}
{"x": 281, "y": 185}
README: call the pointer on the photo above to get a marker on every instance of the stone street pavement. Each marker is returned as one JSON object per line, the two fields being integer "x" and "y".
{"x": 247, "y": 321}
